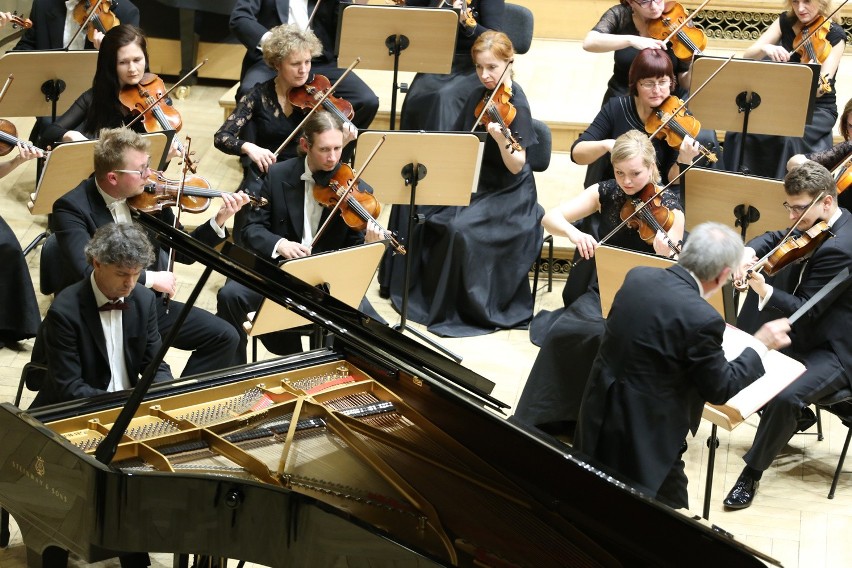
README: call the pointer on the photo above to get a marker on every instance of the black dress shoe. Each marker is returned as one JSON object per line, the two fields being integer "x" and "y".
{"x": 807, "y": 418}
{"x": 742, "y": 494}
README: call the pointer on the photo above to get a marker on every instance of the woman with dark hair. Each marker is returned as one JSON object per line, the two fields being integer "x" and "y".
{"x": 471, "y": 272}
{"x": 122, "y": 61}
{"x": 832, "y": 157}
{"x": 623, "y": 29}
{"x": 768, "y": 155}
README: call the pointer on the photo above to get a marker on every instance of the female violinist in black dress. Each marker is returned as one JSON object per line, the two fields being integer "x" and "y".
{"x": 472, "y": 273}
{"x": 558, "y": 377}
{"x": 767, "y": 155}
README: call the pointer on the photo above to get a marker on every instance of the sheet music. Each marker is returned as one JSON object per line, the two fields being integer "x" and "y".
{"x": 781, "y": 370}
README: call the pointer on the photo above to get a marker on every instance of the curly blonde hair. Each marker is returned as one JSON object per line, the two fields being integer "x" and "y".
{"x": 287, "y": 39}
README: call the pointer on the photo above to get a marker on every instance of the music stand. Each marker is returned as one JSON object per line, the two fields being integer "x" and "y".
{"x": 754, "y": 89}
{"x": 54, "y": 72}
{"x": 345, "y": 274}
{"x": 447, "y": 172}
{"x": 419, "y": 39}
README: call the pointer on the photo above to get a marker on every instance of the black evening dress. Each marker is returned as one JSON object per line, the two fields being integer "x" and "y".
{"x": 569, "y": 337}
{"x": 767, "y": 155}
{"x": 470, "y": 272}
{"x": 19, "y": 317}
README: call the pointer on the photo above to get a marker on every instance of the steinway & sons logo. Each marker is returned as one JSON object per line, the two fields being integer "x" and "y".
{"x": 36, "y": 473}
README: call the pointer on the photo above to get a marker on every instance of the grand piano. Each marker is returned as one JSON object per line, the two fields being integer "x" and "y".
{"x": 377, "y": 448}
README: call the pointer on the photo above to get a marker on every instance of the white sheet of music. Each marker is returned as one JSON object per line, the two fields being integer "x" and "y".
{"x": 781, "y": 370}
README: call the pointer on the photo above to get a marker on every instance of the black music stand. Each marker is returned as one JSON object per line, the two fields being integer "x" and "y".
{"x": 60, "y": 77}
{"x": 422, "y": 168}
{"x": 387, "y": 38}
{"x": 761, "y": 91}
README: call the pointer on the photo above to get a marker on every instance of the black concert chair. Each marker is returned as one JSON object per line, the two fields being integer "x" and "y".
{"x": 538, "y": 157}
{"x": 518, "y": 25}
{"x": 50, "y": 279}
{"x": 840, "y": 404}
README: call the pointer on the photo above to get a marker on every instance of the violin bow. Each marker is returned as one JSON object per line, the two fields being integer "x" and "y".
{"x": 493, "y": 94}
{"x": 348, "y": 190}
{"x": 806, "y": 39}
{"x": 685, "y": 21}
{"x": 741, "y": 284}
{"x": 166, "y": 94}
{"x": 690, "y": 97}
{"x": 171, "y": 263}
{"x": 6, "y": 86}
{"x": 325, "y": 95}
{"x": 313, "y": 13}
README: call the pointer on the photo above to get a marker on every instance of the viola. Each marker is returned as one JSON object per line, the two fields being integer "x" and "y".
{"x": 102, "y": 17}
{"x": 9, "y": 138}
{"x": 19, "y": 22}
{"x": 688, "y": 40}
{"x": 308, "y": 95}
{"x": 149, "y": 93}
{"x": 359, "y": 207}
{"x": 161, "y": 192}
{"x": 646, "y": 213}
{"x": 467, "y": 14}
{"x": 677, "y": 126}
{"x": 501, "y": 111}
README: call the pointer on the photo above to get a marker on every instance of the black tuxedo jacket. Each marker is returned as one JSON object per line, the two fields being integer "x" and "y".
{"x": 825, "y": 323}
{"x": 250, "y": 19}
{"x": 79, "y": 213}
{"x": 48, "y": 17}
{"x": 73, "y": 344}
{"x": 285, "y": 214}
{"x": 660, "y": 359}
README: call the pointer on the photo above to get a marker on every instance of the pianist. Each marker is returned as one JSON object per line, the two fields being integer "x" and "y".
{"x": 100, "y": 333}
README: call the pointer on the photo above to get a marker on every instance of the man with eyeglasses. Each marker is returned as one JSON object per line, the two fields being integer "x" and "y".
{"x": 121, "y": 163}
{"x": 820, "y": 338}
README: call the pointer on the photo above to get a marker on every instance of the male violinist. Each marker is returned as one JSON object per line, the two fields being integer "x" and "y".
{"x": 820, "y": 337}
{"x": 251, "y": 21}
{"x": 122, "y": 166}
{"x": 54, "y": 25}
{"x": 286, "y": 228}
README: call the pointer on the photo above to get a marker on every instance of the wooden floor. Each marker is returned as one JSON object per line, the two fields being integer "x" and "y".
{"x": 791, "y": 519}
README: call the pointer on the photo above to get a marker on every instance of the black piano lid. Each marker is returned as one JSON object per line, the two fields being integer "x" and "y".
{"x": 353, "y": 327}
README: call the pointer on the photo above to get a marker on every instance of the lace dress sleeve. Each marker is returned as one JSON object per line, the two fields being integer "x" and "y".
{"x": 832, "y": 157}
{"x": 227, "y": 138}
{"x": 614, "y": 21}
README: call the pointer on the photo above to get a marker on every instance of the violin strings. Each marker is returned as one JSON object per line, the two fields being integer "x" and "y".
{"x": 356, "y": 206}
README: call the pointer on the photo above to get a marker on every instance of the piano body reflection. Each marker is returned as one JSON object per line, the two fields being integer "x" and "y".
{"x": 378, "y": 448}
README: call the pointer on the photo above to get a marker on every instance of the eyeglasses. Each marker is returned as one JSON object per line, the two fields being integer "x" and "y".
{"x": 643, "y": 3}
{"x": 797, "y": 209}
{"x": 142, "y": 173}
{"x": 650, "y": 84}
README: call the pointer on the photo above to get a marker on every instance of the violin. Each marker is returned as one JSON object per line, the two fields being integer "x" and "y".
{"x": 99, "y": 17}
{"x": 789, "y": 251}
{"x": 649, "y": 218}
{"x": 308, "y": 95}
{"x": 467, "y": 14}
{"x": 9, "y": 138}
{"x": 359, "y": 208}
{"x": 842, "y": 175}
{"x": 19, "y": 22}
{"x": 811, "y": 43}
{"x": 688, "y": 40}
{"x": 677, "y": 126}
{"x": 161, "y": 192}
{"x": 501, "y": 111}
{"x": 149, "y": 93}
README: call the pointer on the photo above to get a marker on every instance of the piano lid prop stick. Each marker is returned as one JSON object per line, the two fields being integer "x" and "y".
{"x": 291, "y": 432}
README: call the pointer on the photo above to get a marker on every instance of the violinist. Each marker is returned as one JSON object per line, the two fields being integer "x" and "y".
{"x": 122, "y": 166}
{"x": 54, "y": 25}
{"x": 624, "y": 30}
{"x": 821, "y": 340}
{"x": 767, "y": 155}
{"x": 122, "y": 61}
{"x": 652, "y": 82}
{"x": 550, "y": 399}
{"x": 265, "y": 117}
{"x": 471, "y": 276}
{"x": 433, "y": 101}
{"x": 286, "y": 228}
{"x": 252, "y": 20}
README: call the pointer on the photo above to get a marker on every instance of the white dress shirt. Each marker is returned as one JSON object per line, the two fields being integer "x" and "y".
{"x": 111, "y": 322}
